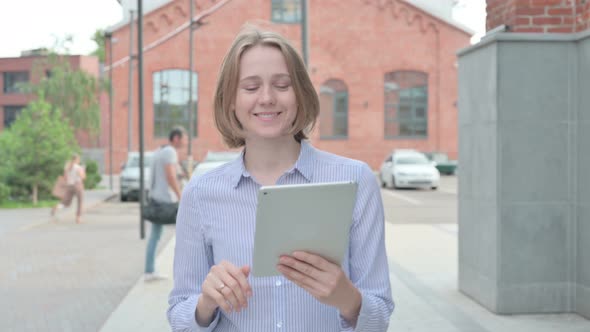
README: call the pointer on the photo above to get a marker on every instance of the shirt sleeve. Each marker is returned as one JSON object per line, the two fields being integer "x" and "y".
{"x": 369, "y": 270}
{"x": 192, "y": 260}
{"x": 170, "y": 156}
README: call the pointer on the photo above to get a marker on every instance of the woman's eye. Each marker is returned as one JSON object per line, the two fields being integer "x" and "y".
{"x": 282, "y": 86}
{"x": 251, "y": 88}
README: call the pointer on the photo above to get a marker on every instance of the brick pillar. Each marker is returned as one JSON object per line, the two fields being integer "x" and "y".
{"x": 559, "y": 16}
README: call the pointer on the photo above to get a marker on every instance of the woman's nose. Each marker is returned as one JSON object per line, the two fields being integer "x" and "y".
{"x": 267, "y": 96}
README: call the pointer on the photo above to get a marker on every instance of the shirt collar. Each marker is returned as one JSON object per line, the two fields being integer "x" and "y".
{"x": 303, "y": 165}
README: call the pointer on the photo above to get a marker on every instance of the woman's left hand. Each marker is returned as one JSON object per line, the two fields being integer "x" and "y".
{"x": 323, "y": 280}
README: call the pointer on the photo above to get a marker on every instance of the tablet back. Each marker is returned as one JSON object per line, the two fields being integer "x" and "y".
{"x": 312, "y": 217}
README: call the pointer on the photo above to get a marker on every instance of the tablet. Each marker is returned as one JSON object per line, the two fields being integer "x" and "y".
{"x": 312, "y": 217}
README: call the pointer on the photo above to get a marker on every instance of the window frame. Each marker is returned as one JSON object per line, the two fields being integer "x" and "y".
{"x": 335, "y": 114}
{"x": 282, "y": 7}
{"x": 15, "y": 109}
{"x": 393, "y": 110}
{"x": 12, "y": 88}
{"x": 162, "y": 122}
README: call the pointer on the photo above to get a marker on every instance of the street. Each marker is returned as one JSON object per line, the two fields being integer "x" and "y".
{"x": 67, "y": 277}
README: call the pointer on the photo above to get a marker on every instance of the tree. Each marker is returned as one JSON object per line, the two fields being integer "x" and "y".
{"x": 36, "y": 146}
{"x": 74, "y": 92}
{"x": 100, "y": 45}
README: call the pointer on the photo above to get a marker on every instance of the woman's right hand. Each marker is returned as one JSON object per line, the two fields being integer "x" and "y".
{"x": 226, "y": 287}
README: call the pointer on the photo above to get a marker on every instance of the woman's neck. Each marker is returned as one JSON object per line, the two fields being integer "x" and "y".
{"x": 267, "y": 160}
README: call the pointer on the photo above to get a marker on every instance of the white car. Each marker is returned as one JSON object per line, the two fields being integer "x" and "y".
{"x": 214, "y": 160}
{"x": 408, "y": 169}
{"x": 129, "y": 187}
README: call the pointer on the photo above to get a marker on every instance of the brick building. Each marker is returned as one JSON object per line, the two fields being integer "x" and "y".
{"x": 25, "y": 69}
{"x": 385, "y": 72}
{"x": 539, "y": 16}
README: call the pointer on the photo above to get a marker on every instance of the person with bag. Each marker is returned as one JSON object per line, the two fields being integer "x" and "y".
{"x": 70, "y": 185}
{"x": 164, "y": 195}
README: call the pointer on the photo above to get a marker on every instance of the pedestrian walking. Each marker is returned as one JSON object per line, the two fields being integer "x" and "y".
{"x": 164, "y": 193}
{"x": 73, "y": 185}
{"x": 265, "y": 102}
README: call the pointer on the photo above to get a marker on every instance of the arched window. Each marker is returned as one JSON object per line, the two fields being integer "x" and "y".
{"x": 333, "y": 110}
{"x": 286, "y": 11}
{"x": 406, "y": 104}
{"x": 171, "y": 95}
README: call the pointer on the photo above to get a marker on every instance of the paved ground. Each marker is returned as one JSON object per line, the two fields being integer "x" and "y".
{"x": 68, "y": 277}
{"x": 421, "y": 233}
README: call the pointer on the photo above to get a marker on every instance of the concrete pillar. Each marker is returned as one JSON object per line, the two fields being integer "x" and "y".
{"x": 524, "y": 185}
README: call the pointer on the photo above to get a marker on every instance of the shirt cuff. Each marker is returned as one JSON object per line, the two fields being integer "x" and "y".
{"x": 194, "y": 325}
{"x": 364, "y": 314}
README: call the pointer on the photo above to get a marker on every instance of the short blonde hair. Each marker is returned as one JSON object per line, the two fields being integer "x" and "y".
{"x": 308, "y": 105}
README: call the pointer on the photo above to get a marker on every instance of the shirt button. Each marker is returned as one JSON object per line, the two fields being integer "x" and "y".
{"x": 278, "y": 283}
{"x": 280, "y": 324}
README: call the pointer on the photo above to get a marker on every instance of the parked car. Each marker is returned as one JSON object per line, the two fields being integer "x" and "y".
{"x": 408, "y": 169}
{"x": 442, "y": 162}
{"x": 213, "y": 160}
{"x": 129, "y": 180}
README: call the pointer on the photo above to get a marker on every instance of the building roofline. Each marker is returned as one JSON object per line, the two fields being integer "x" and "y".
{"x": 452, "y": 23}
{"x": 124, "y": 23}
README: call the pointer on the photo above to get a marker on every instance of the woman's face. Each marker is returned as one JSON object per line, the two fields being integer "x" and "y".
{"x": 265, "y": 105}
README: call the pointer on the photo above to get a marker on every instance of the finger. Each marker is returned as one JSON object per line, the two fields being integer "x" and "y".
{"x": 242, "y": 278}
{"x": 245, "y": 270}
{"x": 314, "y": 287}
{"x": 237, "y": 282}
{"x": 209, "y": 289}
{"x": 317, "y": 261}
{"x": 301, "y": 266}
{"x": 223, "y": 286}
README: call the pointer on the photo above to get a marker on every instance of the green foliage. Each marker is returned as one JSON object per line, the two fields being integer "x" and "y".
{"x": 34, "y": 150}
{"x": 27, "y": 205}
{"x": 99, "y": 39}
{"x": 4, "y": 192}
{"x": 74, "y": 92}
{"x": 92, "y": 176}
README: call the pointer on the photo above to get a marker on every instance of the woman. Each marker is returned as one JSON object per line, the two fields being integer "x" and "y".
{"x": 74, "y": 176}
{"x": 265, "y": 102}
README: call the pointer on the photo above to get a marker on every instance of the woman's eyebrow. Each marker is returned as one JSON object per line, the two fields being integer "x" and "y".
{"x": 250, "y": 78}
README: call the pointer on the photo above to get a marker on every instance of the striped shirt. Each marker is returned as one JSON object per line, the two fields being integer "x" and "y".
{"x": 216, "y": 222}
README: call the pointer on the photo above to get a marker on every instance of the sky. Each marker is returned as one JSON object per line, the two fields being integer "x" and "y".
{"x": 29, "y": 24}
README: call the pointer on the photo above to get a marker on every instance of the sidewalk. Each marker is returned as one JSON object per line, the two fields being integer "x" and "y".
{"x": 23, "y": 219}
{"x": 62, "y": 276}
{"x": 423, "y": 271}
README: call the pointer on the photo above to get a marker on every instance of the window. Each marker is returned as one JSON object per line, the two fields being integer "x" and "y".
{"x": 10, "y": 114}
{"x": 333, "y": 110}
{"x": 12, "y": 80}
{"x": 171, "y": 94}
{"x": 286, "y": 11}
{"x": 406, "y": 104}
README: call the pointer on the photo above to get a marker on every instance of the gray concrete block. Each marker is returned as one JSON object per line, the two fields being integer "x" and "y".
{"x": 478, "y": 239}
{"x": 583, "y": 158}
{"x": 583, "y": 300}
{"x": 477, "y": 101}
{"x": 527, "y": 93}
{"x": 584, "y": 80}
{"x": 583, "y": 246}
{"x": 535, "y": 298}
{"x": 533, "y": 162}
{"x": 478, "y": 287}
{"x": 533, "y": 244}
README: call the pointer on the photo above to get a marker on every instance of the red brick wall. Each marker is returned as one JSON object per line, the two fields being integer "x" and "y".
{"x": 87, "y": 63}
{"x": 356, "y": 41}
{"x": 559, "y": 16}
